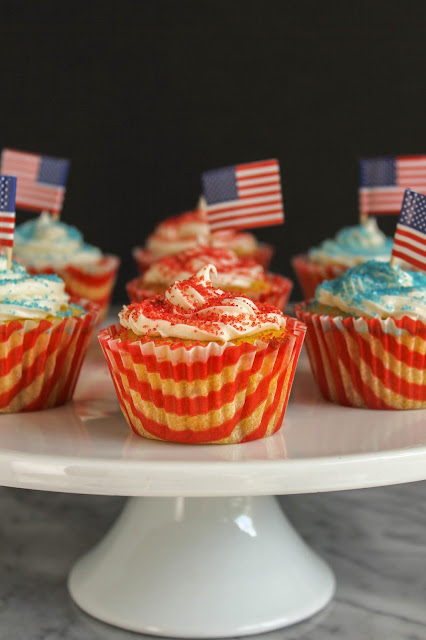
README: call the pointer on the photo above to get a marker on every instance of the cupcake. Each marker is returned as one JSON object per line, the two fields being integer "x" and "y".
{"x": 191, "y": 229}
{"x": 240, "y": 275}
{"x": 244, "y": 244}
{"x": 43, "y": 339}
{"x": 351, "y": 246}
{"x": 200, "y": 365}
{"x": 47, "y": 245}
{"x": 366, "y": 337}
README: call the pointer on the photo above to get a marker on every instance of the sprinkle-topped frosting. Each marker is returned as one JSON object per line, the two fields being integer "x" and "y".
{"x": 376, "y": 289}
{"x": 178, "y": 233}
{"x": 190, "y": 229}
{"x": 46, "y": 242}
{"x": 194, "y": 309}
{"x": 30, "y": 297}
{"x": 353, "y": 245}
{"x": 242, "y": 242}
{"x": 232, "y": 271}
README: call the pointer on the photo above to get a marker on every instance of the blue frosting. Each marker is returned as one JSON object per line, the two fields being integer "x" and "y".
{"x": 375, "y": 288}
{"x": 363, "y": 241}
{"x": 45, "y": 242}
{"x": 32, "y": 296}
{"x": 29, "y": 230}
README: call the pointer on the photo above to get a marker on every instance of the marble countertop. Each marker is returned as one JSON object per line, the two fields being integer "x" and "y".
{"x": 374, "y": 540}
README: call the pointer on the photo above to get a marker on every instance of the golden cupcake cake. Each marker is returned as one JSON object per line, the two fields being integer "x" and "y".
{"x": 201, "y": 365}
{"x": 366, "y": 337}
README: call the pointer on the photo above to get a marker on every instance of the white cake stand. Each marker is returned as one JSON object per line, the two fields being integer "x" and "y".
{"x": 202, "y": 550}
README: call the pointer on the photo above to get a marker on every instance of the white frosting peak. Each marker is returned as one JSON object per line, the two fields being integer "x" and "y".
{"x": 194, "y": 310}
{"x": 189, "y": 298}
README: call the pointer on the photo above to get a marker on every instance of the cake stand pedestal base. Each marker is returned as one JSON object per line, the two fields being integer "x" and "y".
{"x": 201, "y": 568}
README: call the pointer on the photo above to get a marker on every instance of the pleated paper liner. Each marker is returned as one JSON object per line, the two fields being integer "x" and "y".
{"x": 310, "y": 275}
{"x": 275, "y": 290}
{"x": 143, "y": 258}
{"x": 371, "y": 363}
{"x": 264, "y": 449}
{"x": 203, "y": 393}
{"x": 263, "y": 254}
{"x": 92, "y": 282}
{"x": 40, "y": 360}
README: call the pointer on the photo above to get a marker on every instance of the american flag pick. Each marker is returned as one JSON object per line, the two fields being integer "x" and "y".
{"x": 41, "y": 179}
{"x": 383, "y": 181}
{"x": 243, "y": 196}
{"x": 409, "y": 242}
{"x": 7, "y": 214}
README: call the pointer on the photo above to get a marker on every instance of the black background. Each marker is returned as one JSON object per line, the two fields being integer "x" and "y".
{"x": 143, "y": 96}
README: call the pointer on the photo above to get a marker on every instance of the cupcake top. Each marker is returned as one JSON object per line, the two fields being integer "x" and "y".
{"x": 178, "y": 233}
{"x": 190, "y": 229}
{"x": 45, "y": 242}
{"x": 241, "y": 242}
{"x": 232, "y": 271}
{"x": 375, "y": 289}
{"x": 353, "y": 245}
{"x": 194, "y": 309}
{"x": 31, "y": 297}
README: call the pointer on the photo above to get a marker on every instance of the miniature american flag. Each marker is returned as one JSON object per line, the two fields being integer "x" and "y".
{"x": 7, "y": 210}
{"x": 244, "y": 196}
{"x": 41, "y": 179}
{"x": 383, "y": 182}
{"x": 409, "y": 242}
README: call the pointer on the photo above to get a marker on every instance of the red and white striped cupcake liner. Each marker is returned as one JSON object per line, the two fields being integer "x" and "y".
{"x": 214, "y": 393}
{"x": 40, "y": 360}
{"x": 367, "y": 362}
{"x": 263, "y": 254}
{"x": 310, "y": 275}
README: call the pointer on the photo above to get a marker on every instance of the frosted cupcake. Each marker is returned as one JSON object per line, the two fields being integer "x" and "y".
{"x": 351, "y": 246}
{"x": 240, "y": 275}
{"x": 244, "y": 244}
{"x": 200, "y": 365}
{"x": 47, "y": 245}
{"x": 43, "y": 339}
{"x": 366, "y": 337}
{"x": 190, "y": 229}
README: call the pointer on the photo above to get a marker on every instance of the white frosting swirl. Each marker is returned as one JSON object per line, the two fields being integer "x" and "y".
{"x": 190, "y": 229}
{"x": 178, "y": 234}
{"x": 232, "y": 271}
{"x": 30, "y": 297}
{"x": 194, "y": 310}
{"x": 45, "y": 242}
{"x": 243, "y": 243}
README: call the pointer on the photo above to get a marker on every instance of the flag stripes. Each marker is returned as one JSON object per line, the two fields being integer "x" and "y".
{"x": 41, "y": 179}
{"x": 410, "y": 237}
{"x": 7, "y": 210}
{"x": 383, "y": 181}
{"x": 244, "y": 196}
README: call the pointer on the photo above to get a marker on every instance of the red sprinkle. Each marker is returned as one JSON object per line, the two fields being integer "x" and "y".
{"x": 158, "y": 308}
